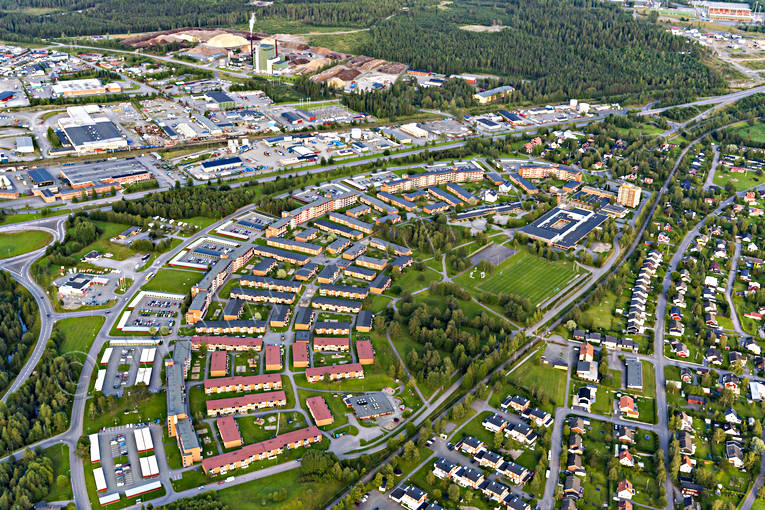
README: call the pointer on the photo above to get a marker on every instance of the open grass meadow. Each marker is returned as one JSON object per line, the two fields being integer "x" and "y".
{"x": 524, "y": 275}
{"x": 18, "y": 243}
{"x": 264, "y": 492}
{"x": 175, "y": 281}
{"x": 741, "y": 181}
{"x": 79, "y": 332}
{"x": 755, "y": 132}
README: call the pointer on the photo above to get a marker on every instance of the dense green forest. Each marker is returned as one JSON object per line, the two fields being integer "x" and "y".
{"x": 16, "y": 305}
{"x": 26, "y": 481}
{"x": 41, "y": 406}
{"x": 551, "y": 50}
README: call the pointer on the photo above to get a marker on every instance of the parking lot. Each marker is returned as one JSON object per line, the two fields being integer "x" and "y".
{"x": 120, "y": 458}
{"x": 122, "y": 370}
{"x": 154, "y": 313}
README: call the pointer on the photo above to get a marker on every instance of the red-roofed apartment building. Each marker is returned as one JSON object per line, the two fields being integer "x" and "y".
{"x": 319, "y": 410}
{"x": 365, "y": 352}
{"x": 229, "y": 432}
{"x": 246, "y": 403}
{"x": 242, "y": 457}
{"x": 273, "y": 357}
{"x": 300, "y": 354}
{"x": 218, "y": 364}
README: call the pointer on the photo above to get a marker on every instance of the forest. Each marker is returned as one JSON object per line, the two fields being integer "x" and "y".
{"x": 550, "y": 50}
{"x": 18, "y": 311}
{"x": 26, "y": 481}
{"x": 41, "y": 406}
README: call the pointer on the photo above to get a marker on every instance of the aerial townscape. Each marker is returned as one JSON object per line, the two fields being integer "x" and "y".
{"x": 357, "y": 254}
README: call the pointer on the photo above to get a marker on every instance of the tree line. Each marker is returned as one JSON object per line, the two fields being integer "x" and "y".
{"x": 19, "y": 327}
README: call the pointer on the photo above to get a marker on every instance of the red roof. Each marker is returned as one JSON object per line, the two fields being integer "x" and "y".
{"x": 299, "y": 352}
{"x": 218, "y": 361}
{"x": 245, "y": 380}
{"x": 269, "y": 445}
{"x": 364, "y": 349}
{"x": 333, "y": 369}
{"x": 318, "y": 408}
{"x": 228, "y": 341}
{"x": 228, "y": 430}
{"x": 252, "y": 398}
{"x": 273, "y": 355}
{"x": 324, "y": 341}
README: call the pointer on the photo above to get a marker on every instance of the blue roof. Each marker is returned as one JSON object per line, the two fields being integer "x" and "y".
{"x": 222, "y": 162}
{"x": 4, "y": 96}
{"x": 40, "y": 176}
{"x": 219, "y": 97}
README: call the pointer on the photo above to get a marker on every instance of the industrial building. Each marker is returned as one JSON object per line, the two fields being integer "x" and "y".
{"x": 91, "y": 134}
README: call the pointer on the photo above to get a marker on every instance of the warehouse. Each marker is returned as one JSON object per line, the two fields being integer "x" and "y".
{"x": 219, "y": 165}
{"x": 86, "y": 87}
{"x": 123, "y": 171}
{"x": 87, "y": 134}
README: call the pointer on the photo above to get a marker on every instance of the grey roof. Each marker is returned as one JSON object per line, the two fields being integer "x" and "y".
{"x": 364, "y": 318}
{"x": 90, "y": 133}
{"x": 634, "y": 372}
{"x": 370, "y": 404}
{"x": 187, "y": 435}
{"x": 349, "y": 303}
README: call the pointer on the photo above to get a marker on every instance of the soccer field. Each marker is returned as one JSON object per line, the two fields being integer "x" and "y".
{"x": 528, "y": 276}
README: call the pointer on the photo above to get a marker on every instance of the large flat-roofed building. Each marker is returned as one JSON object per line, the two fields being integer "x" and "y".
{"x": 85, "y": 87}
{"x": 88, "y": 134}
{"x": 564, "y": 228}
{"x": 319, "y": 411}
{"x": 370, "y": 405}
{"x": 246, "y": 403}
{"x": 629, "y": 195}
{"x": 725, "y": 11}
{"x": 122, "y": 171}
{"x": 242, "y": 458}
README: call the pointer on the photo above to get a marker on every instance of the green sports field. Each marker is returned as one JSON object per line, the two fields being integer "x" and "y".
{"x": 525, "y": 275}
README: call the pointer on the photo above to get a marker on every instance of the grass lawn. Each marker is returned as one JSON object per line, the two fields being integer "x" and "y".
{"x": 80, "y": 332}
{"x": 190, "y": 479}
{"x": 258, "y": 494}
{"x": 524, "y": 275}
{"x": 544, "y": 379}
{"x": 16, "y": 243}
{"x": 153, "y": 408}
{"x": 740, "y": 181}
{"x": 59, "y": 454}
{"x": 253, "y": 433}
{"x": 173, "y": 280}
{"x": 414, "y": 280}
{"x": 601, "y": 314}
{"x": 756, "y": 132}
